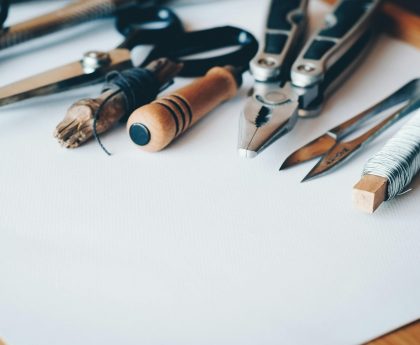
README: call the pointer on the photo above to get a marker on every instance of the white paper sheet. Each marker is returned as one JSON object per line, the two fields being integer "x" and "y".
{"x": 194, "y": 245}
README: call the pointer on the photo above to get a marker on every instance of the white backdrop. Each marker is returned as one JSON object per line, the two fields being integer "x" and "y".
{"x": 194, "y": 245}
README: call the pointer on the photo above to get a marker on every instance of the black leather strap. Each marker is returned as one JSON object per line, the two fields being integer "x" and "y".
{"x": 133, "y": 23}
{"x": 171, "y": 41}
{"x": 205, "y": 41}
{"x": 4, "y": 10}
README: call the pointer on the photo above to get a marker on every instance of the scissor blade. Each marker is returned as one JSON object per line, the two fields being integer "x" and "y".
{"x": 62, "y": 78}
{"x": 334, "y": 157}
{"x": 314, "y": 149}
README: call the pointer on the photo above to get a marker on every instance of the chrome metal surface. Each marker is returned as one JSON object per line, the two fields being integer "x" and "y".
{"x": 310, "y": 79}
{"x": 94, "y": 60}
{"x": 307, "y": 72}
{"x": 63, "y": 78}
{"x": 270, "y": 113}
{"x": 268, "y": 66}
{"x": 335, "y": 151}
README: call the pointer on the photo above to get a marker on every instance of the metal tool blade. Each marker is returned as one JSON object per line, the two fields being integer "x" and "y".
{"x": 269, "y": 113}
{"x": 336, "y": 156}
{"x": 66, "y": 77}
{"x": 342, "y": 151}
{"x": 315, "y": 148}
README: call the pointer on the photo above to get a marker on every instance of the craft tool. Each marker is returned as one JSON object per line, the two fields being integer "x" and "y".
{"x": 334, "y": 150}
{"x": 169, "y": 40}
{"x": 123, "y": 92}
{"x": 133, "y": 88}
{"x": 388, "y": 173}
{"x": 154, "y": 126}
{"x": 282, "y": 93}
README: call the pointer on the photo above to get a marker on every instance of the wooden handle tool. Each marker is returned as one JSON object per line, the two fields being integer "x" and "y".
{"x": 369, "y": 193}
{"x": 113, "y": 106}
{"x": 154, "y": 126}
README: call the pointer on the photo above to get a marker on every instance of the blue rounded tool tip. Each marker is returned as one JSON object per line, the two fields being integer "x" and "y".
{"x": 139, "y": 134}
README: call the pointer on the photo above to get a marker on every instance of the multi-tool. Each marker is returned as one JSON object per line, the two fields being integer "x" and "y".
{"x": 287, "y": 87}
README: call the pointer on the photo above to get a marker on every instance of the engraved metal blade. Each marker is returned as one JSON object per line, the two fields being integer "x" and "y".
{"x": 63, "y": 78}
{"x": 335, "y": 157}
{"x": 315, "y": 148}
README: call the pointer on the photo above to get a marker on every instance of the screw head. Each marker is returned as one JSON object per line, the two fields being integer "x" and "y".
{"x": 93, "y": 60}
{"x": 306, "y": 68}
{"x": 267, "y": 62}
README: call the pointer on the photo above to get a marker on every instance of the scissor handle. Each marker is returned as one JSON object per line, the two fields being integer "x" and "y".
{"x": 203, "y": 41}
{"x": 147, "y": 25}
{"x": 4, "y": 10}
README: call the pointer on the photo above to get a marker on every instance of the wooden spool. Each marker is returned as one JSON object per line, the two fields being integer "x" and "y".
{"x": 156, "y": 125}
{"x": 369, "y": 193}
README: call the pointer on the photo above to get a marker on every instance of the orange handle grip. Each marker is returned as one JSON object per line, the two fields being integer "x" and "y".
{"x": 154, "y": 126}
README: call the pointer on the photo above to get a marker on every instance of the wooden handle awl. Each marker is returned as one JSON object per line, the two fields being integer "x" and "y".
{"x": 154, "y": 126}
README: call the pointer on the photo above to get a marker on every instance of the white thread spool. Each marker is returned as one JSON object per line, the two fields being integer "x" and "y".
{"x": 388, "y": 173}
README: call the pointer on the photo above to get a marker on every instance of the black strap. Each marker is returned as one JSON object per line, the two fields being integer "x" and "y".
{"x": 195, "y": 42}
{"x": 4, "y": 10}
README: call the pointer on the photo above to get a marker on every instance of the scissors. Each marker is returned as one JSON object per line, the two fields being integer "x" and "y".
{"x": 331, "y": 146}
{"x": 156, "y": 26}
{"x": 287, "y": 86}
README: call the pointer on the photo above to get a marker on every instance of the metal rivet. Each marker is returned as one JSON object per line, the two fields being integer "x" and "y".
{"x": 266, "y": 62}
{"x": 93, "y": 60}
{"x": 306, "y": 68}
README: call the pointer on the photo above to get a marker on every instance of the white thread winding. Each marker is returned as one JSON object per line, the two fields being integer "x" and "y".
{"x": 399, "y": 160}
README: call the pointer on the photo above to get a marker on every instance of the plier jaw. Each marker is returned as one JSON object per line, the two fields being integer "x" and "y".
{"x": 270, "y": 113}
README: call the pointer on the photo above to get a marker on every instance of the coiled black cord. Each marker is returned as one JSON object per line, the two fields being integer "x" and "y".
{"x": 139, "y": 87}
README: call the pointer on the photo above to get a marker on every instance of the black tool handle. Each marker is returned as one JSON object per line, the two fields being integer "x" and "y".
{"x": 4, "y": 11}
{"x": 283, "y": 15}
{"x": 149, "y": 25}
{"x": 182, "y": 47}
{"x": 285, "y": 29}
{"x": 335, "y": 47}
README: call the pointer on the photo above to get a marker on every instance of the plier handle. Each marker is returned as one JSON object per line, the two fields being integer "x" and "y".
{"x": 287, "y": 87}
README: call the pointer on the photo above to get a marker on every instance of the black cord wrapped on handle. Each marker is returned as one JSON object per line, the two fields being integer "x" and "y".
{"x": 139, "y": 86}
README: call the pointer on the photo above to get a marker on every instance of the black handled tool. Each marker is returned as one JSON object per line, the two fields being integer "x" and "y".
{"x": 281, "y": 93}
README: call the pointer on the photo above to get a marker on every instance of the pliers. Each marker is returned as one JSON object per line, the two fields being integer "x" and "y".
{"x": 287, "y": 87}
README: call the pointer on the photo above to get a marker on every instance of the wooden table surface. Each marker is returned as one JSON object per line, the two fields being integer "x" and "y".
{"x": 408, "y": 335}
